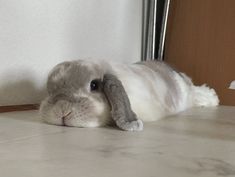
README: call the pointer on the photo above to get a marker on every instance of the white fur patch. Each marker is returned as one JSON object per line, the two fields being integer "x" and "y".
{"x": 204, "y": 96}
{"x": 141, "y": 90}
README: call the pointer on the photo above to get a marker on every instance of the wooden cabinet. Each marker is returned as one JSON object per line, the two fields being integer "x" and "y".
{"x": 200, "y": 41}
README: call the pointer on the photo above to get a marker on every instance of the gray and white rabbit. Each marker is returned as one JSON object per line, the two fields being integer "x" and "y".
{"x": 85, "y": 93}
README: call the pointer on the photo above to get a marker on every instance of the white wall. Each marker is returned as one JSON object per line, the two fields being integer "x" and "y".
{"x": 37, "y": 34}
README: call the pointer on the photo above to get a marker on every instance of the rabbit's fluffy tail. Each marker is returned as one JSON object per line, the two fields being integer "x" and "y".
{"x": 201, "y": 95}
{"x": 204, "y": 96}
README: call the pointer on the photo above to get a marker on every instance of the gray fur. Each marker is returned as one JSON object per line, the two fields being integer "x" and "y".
{"x": 74, "y": 77}
{"x": 68, "y": 88}
{"x": 121, "y": 111}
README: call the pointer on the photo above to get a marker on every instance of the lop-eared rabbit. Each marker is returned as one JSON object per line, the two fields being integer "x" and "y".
{"x": 85, "y": 93}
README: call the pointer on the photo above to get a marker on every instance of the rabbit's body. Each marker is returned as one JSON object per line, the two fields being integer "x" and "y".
{"x": 87, "y": 94}
{"x": 156, "y": 90}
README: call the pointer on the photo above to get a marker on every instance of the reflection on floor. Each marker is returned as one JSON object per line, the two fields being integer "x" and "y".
{"x": 196, "y": 143}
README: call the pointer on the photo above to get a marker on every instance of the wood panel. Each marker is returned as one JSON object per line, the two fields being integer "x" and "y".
{"x": 200, "y": 41}
{"x": 12, "y": 108}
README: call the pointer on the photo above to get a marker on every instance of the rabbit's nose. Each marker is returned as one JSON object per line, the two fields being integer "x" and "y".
{"x": 64, "y": 118}
{"x": 64, "y": 107}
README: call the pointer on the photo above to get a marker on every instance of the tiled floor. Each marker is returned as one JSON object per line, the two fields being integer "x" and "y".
{"x": 196, "y": 143}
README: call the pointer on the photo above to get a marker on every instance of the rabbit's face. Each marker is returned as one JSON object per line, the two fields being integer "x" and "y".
{"x": 75, "y": 96}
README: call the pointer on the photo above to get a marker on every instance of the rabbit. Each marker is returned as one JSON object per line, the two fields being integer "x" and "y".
{"x": 84, "y": 93}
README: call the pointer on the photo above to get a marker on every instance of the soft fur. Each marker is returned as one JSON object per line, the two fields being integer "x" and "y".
{"x": 126, "y": 95}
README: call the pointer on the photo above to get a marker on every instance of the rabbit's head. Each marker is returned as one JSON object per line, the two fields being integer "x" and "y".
{"x": 75, "y": 96}
{"x": 87, "y": 94}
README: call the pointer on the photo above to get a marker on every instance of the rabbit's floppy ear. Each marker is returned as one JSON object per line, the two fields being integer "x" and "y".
{"x": 121, "y": 111}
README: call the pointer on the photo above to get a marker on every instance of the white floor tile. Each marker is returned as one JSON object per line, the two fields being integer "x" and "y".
{"x": 196, "y": 143}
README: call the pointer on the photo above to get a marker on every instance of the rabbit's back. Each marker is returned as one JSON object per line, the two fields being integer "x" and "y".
{"x": 154, "y": 89}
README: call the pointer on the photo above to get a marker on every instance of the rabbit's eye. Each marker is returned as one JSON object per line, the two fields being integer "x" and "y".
{"x": 94, "y": 85}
